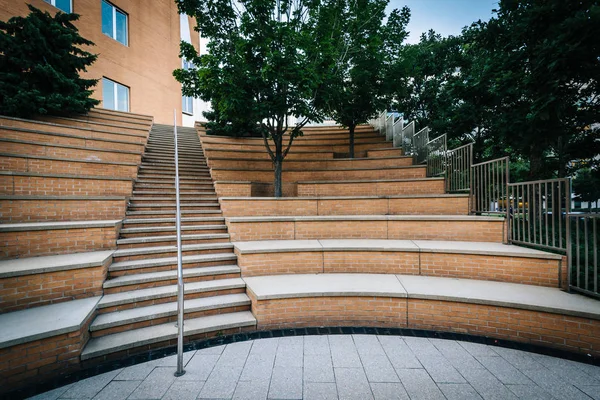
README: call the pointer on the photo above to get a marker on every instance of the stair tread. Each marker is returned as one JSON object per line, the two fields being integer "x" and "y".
{"x": 163, "y": 238}
{"x": 117, "y": 318}
{"x": 164, "y": 249}
{"x": 167, "y": 275}
{"x": 154, "y": 262}
{"x": 172, "y": 228}
{"x": 132, "y": 296}
{"x": 143, "y": 336}
{"x": 160, "y": 220}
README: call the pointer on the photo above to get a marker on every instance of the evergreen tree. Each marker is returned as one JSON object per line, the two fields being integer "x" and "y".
{"x": 40, "y": 62}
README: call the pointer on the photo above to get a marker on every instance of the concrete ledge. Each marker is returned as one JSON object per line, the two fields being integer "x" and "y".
{"x": 500, "y": 294}
{"x": 50, "y": 226}
{"x": 43, "y": 322}
{"x": 66, "y": 135}
{"x": 416, "y": 196}
{"x": 324, "y": 285}
{"x": 40, "y": 265}
{"x": 323, "y": 169}
{"x": 373, "y": 180}
{"x": 365, "y": 218}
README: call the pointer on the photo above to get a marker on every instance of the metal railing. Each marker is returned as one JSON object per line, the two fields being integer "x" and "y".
{"x": 406, "y": 139}
{"x": 488, "y": 185}
{"x": 389, "y": 126}
{"x": 583, "y": 253}
{"x": 458, "y": 168}
{"x": 419, "y": 145}
{"x": 436, "y": 156}
{"x": 397, "y": 129}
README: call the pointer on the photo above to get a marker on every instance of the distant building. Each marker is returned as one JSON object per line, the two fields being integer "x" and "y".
{"x": 138, "y": 46}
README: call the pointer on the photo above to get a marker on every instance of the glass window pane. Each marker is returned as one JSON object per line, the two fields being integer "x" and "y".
{"x": 107, "y": 19}
{"x": 121, "y": 27}
{"x": 64, "y": 5}
{"x": 122, "y": 98}
{"x": 108, "y": 94}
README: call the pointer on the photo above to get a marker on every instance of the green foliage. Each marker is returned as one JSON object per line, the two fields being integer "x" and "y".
{"x": 40, "y": 62}
{"x": 263, "y": 65}
{"x": 586, "y": 185}
{"x": 360, "y": 52}
{"x": 525, "y": 83}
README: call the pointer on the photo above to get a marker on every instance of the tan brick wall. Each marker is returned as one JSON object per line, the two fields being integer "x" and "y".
{"x": 329, "y": 311}
{"x": 359, "y": 148}
{"x": 575, "y": 334}
{"x": 384, "y": 153}
{"x": 425, "y": 186}
{"x": 261, "y": 155}
{"x": 52, "y": 186}
{"x": 41, "y": 360}
{"x": 27, "y": 291}
{"x": 66, "y": 152}
{"x": 475, "y": 231}
{"x": 42, "y": 166}
{"x": 224, "y": 189}
{"x": 281, "y": 263}
{"x": 13, "y": 211}
{"x": 240, "y": 208}
{"x": 371, "y": 262}
{"x": 311, "y": 164}
{"x": 42, "y": 243}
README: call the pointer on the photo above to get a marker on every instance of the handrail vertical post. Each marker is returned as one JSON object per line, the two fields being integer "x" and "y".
{"x": 180, "y": 290}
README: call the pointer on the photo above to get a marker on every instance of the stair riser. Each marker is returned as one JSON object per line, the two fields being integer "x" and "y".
{"x": 127, "y": 235}
{"x": 182, "y": 199}
{"x": 171, "y": 253}
{"x": 164, "y": 320}
{"x": 172, "y": 208}
{"x": 182, "y": 195}
{"x": 169, "y": 299}
{"x": 127, "y": 288}
{"x": 170, "y": 267}
{"x": 173, "y": 243}
{"x": 172, "y": 214}
{"x": 172, "y": 224}
{"x": 183, "y": 187}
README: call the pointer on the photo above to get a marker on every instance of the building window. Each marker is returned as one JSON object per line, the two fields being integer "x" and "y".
{"x": 64, "y": 5}
{"x": 114, "y": 22}
{"x": 114, "y": 95}
{"x": 187, "y": 102}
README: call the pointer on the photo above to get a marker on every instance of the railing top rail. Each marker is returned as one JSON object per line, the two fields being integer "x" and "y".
{"x": 424, "y": 130}
{"x": 461, "y": 147}
{"x": 539, "y": 181}
{"x": 409, "y": 125}
{"x": 491, "y": 161}
{"x": 437, "y": 138}
{"x": 398, "y": 120}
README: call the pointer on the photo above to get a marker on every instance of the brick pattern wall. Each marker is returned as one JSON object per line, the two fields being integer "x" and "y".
{"x": 312, "y": 164}
{"x": 300, "y": 147}
{"x": 241, "y": 189}
{"x": 49, "y": 242}
{"x": 21, "y": 292}
{"x": 43, "y": 166}
{"x": 106, "y": 126}
{"x": 20, "y": 185}
{"x": 262, "y": 155}
{"x": 41, "y": 360}
{"x": 14, "y": 211}
{"x": 475, "y": 231}
{"x": 384, "y": 153}
{"x": 416, "y": 187}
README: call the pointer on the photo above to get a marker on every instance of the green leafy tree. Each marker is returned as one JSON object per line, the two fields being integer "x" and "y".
{"x": 264, "y": 64}
{"x": 586, "y": 185}
{"x": 40, "y": 62}
{"x": 357, "y": 87}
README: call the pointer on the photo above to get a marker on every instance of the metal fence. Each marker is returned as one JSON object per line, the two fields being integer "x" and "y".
{"x": 397, "y": 129}
{"x": 583, "y": 253}
{"x": 458, "y": 168}
{"x": 407, "y": 138}
{"x": 436, "y": 156}
{"x": 489, "y": 186}
{"x": 419, "y": 145}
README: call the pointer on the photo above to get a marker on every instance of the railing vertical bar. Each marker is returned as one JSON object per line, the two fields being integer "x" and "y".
{"x": 554, "y": 216}
{"x": 523, "y": 188}
{"x": 534, "y": 213}
{"x": 542, "y": 211}
{"x": 585, "y": 249}
{"x": 560, "y": 241}
{"x": 578, "y": 261}
{"x": 547, "y": 207}
{"x": 595, "y": 244}
{"x": 568, "y": 230}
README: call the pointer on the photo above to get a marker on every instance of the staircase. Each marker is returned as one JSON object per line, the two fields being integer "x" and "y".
{"x": 139, "y": 307}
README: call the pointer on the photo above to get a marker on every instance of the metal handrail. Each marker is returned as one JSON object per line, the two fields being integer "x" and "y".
{"x": 435, "y": 151}
{"x": 458, "y": 168}
{"x": 420, "y": 140}
{"x": 180, "y": 289}
{"x": 488, "y": 187}
{"x": 397, "y": 132}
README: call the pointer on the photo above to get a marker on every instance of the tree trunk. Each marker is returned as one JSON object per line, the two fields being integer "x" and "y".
{"x": 277, "y": 164}
{"x": 351, "y": 149}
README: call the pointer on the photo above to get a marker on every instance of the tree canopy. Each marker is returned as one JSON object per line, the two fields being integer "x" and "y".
{"x": 40, "y": 63}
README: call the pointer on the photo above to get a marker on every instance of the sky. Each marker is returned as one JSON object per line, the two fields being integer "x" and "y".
{"x": 446, "y": 17}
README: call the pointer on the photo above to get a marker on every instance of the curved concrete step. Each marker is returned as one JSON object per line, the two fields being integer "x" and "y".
{"x": 137, "y": 251}
{"x": 169, "y": 238}
{"x": 140, "y": 337}
{"x": 136, "y": 279}
{"x": 165, "y": 261}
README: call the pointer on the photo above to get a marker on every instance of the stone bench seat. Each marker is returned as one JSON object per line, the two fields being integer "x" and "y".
{"x": 471, "y": 260}
{"x": 313, "y": 164}
{"x": 108, "y": 126}
{"x": 32, "y": 135}
{"x": 404, "y": 227}
{"x": 61, "y": 237}
{"x": 299, "y": 147}
{"x": 536, "y": 315}
{"x": 385, "y": 152}
{"x": 259, "y": 154}
{"x": 432, "y": 204}
{"x": 372, "y": 187}
{"x": 125, "y": 115}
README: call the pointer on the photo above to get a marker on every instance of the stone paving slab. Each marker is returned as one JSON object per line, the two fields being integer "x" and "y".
{"x": 338, "y": 367}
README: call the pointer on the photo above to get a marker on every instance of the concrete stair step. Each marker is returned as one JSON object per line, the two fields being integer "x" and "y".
{"x": 125, "y": 317}
{"x": 151, "y": 277}
{"x": 136, "y": 222}
{"x": 186, "y": 199}
{"x": 144, "y": 336}
{"x": 171, "y": 228}
{"x": 130, "y": 254}
{"x": 161, "y": 193}
{"x": 168, "y": 205}
{"x": 190, "y": 261}
{"x": 136, "y": 296}
{"x": 164, "y": 213}
{"x": 183, "y": 178}
{"x": 189, "y": 238}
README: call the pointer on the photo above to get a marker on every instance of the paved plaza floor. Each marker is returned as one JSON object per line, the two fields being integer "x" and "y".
{"x": 346, "y": 367}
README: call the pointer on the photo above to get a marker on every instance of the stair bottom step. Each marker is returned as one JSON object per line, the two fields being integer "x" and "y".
{"x": 135, "y": 341}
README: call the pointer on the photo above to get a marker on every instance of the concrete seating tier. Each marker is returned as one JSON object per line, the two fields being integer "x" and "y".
{"x": 374, "y": 187}
{"x": 14, "y": 209}
{"x": 401, "y": 227}
{"x": 359, "y": 148}
{"x": 92, "y": 132}
{"x": 119, "y": 115}
{"x": 536, "y": 315}
{"x": 257, "y": 154}
{"x": 13, "y": 146}
{"x": 35, "y": 184}
{"x": 335, "y": 139}
{"x": 439, "y": 204}
{"x": 470, "y": 260}
{"x": 49, "y": 238}
{"x": 30, "y": 135}
{"x": 109, "y": 126}
{"x": 41, "y": 343}
{"x": 37, "y": 281}
{"x": 312, "y": 164}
